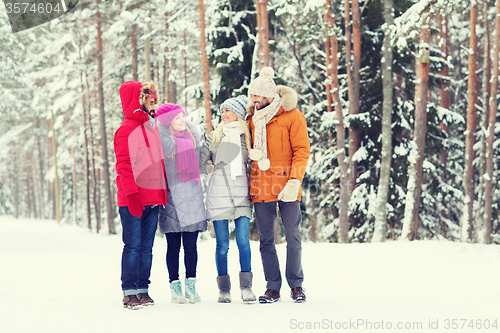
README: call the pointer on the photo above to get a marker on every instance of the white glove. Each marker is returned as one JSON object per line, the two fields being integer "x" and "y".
{"x": 290, "y": 191}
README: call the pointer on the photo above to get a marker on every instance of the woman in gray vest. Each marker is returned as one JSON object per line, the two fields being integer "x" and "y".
{"x": 184, "y": 215}
{"x": 225, "y": 157}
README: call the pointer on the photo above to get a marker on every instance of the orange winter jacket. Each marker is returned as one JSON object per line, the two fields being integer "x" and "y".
{"x": 288, "y": 150}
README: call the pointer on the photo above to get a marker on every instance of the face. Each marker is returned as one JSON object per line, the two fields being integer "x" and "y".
{"x": 150, "y": 105}
{"x": 179, "y": 122}
{"x": 228, "y": 116}
{"x": 260, "y": 102}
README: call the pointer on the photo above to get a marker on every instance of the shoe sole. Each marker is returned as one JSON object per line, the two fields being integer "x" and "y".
{"x": 300, "y": 300}
{"x": 135, "y": 307}
{"x": 179, "y": 302}
{"x": 268, "y": 301}
{"x": 148, "y": 304}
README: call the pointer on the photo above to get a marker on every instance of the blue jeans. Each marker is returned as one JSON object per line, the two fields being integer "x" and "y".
{"x": 189, "y": 240}
{"x": 137, "y": 256}
{"x": 242, "y": 227}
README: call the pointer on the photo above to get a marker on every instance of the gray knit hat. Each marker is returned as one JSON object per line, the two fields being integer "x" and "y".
{"x": 237, "y": 105}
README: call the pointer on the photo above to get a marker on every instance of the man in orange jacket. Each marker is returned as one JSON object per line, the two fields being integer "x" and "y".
{"x": 279, "y": 156}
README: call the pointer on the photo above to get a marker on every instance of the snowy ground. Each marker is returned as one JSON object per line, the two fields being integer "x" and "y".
{"x": 64, "y": 279}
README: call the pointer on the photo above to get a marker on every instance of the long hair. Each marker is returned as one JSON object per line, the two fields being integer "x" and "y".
{"x": 246, "y": 130}
{"x": 171, "y": 131}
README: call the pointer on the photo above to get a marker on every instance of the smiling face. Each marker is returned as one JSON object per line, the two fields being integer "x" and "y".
{"x": 228, "y": 116}
{"x": 179, "y": 122}
{"x": 261, "y": 102}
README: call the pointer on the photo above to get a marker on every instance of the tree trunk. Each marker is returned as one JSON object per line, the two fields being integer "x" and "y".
{"x": 479, "y": 214}
{"x": 204, "y": 65}
{"x": 14, "y": 177}
{"x": 263, "y": 31}
{"x": 332, "y": 63}
{"x": 470, "y": 137}
{"x": 184, "y": 53}
{"x": 41, "y": 170}
{"x": 73, "y": 174}
{"x": 104, "y": 139}
{"x": 86, "y": 166}
{"x": 93, "y": 174}
{"x": 147, "y": 51}
{"x": 380, "y": 229}
{"x": 416, "y": 158}
{"x": 491, "y": 129}
{"x": 354, "y": 97}
{"x": 135, "y": 75}
{"x": 57, "y": 195}
{"x": 444, "y": 89}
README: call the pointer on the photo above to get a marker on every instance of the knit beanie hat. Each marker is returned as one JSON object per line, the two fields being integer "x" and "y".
{"x": 237, "y": 105}
{"x": 167, "y": 112}
{"x": 264, "y": 84}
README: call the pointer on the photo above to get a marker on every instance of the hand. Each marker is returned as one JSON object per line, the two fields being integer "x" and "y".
{"x": 135, "y": 206}
{"x": 290, "y": 191}
{"x": 210, "y": 168}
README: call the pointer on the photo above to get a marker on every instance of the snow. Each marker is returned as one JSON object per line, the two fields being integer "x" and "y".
{"x": 60, "y": 278}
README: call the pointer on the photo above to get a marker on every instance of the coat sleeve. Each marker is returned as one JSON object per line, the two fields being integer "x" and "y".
{"x": 124, "y": 160}
{"x": 206, "y": 154}
{"x": 301, "y": 148}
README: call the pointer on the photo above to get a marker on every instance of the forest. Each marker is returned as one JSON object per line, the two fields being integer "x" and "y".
{"x": 400, "y": 97}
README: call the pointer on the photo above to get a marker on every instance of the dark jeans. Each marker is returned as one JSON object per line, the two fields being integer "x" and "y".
{"x": 221, "y": 228}
{"x": 265, "y": 214}
{"x": 189, "y": 240}
{"x": 137, "y": 256}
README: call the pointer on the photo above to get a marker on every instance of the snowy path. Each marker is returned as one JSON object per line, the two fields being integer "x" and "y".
{"x": 65, "y": 279}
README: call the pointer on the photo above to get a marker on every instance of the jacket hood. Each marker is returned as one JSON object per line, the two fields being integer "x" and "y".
{"x": 130, "y": 93}
{"x": 288, "y": 99}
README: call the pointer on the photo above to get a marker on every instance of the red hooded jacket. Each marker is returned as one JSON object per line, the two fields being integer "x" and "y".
{"x": 139, "y": 154}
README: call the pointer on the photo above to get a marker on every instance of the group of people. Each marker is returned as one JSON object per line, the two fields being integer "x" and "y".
{"x": 255, "y": 160}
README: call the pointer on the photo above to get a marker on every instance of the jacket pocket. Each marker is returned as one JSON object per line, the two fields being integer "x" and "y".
{"x": 280, "y": 175}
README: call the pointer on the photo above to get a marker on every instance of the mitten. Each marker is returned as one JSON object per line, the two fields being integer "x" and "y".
{"x": 210, "y": 167}
{"x": 135, "y": 206}
{"x": 290, "y": 191}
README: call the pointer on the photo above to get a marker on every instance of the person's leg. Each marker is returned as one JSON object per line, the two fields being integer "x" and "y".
{"x": 221, "y": 229}
{"x": 173, "y": 250}
{"x": 189, "y": 242}
{"x": 242, "y": 230}
{"x": 242, "y": 233}
{"x": 148, "y": 230}
{"x": 131, "y": 236}
{"x": 291, "y": 218}
{"x": 265, "y": 214}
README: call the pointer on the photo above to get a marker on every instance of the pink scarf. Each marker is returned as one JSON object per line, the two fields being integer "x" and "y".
{"x": 186, "y": 159}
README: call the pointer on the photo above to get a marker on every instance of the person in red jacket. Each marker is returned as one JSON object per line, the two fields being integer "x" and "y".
{"x": 141, "y": 187}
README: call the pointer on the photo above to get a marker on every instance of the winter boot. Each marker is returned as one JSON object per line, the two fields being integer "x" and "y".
{"x": 298, "y": 295}
{"x": 270, "y": 296}
{"x": 176, "y": 292}
{"x": 191, "y": 293}
{"x": 247, "y": 294}
{"x": 224, "y": 284}
{"x": 145, "y": 299}
{"x": 131, "y": 302}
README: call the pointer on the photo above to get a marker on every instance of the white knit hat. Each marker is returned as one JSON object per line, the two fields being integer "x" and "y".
{"x": 264, "y": 84}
